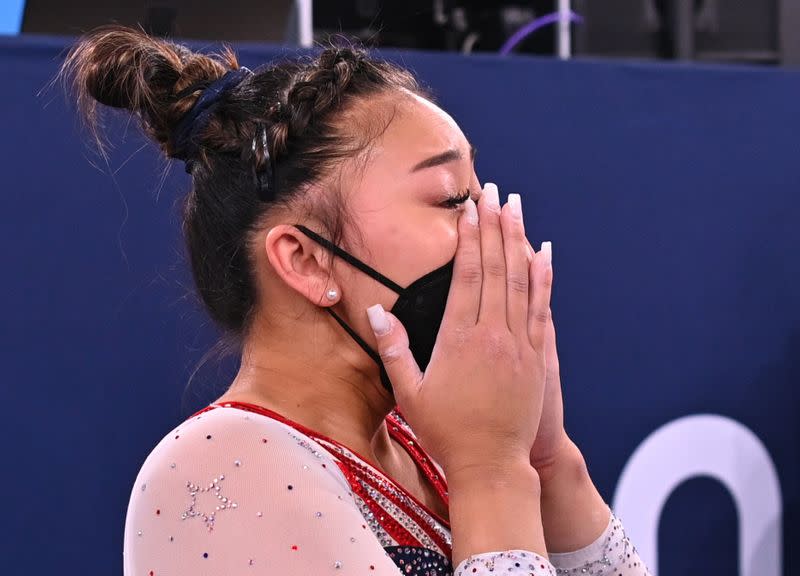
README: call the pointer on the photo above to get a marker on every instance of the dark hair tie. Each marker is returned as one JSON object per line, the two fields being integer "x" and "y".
{"x": 183, "y": 141}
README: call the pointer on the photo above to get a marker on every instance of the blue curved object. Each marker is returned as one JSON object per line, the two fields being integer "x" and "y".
{"x": 532, "y": 27}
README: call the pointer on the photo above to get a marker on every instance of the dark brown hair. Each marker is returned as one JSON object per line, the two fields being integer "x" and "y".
{"x": 302, "y": 104}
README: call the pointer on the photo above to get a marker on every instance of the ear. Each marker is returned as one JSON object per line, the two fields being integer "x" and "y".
{"x": 301, "y": 263}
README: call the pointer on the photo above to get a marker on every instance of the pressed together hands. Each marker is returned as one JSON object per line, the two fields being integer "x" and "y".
{"x": 488, "y": 407}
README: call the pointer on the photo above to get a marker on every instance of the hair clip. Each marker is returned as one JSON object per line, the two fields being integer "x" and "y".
{"x": 263, "y": 177}
{"x": 263, "y": 141}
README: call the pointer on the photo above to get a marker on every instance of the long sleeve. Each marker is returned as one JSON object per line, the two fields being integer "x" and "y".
{"x": 612, "y": 554}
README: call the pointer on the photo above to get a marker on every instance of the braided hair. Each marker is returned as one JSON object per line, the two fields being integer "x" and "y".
{"x": 299, "y": 115}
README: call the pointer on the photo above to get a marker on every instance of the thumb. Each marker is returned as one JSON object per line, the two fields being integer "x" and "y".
{"x": 397, "y": 359}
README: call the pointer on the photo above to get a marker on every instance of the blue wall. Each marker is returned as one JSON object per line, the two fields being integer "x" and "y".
{"x": 670, "y": 194}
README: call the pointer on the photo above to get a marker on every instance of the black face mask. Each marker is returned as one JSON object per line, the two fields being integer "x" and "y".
{"x": 420, "y": 307}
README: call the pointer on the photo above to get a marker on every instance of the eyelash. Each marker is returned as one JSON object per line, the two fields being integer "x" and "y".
{"x": 453, "y": 202}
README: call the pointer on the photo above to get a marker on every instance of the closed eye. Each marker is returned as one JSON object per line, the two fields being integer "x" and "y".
{"x": 455, "y": 201}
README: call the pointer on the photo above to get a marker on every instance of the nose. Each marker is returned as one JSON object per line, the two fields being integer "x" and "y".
{"x": 475, "y": 188}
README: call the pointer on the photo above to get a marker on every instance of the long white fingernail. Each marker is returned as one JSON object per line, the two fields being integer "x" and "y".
{"x": 471, "y": 211}
{"x": 516, "y": 205}
{"x": 547, "y": 253}
{"x": 378, "y": 319}
{"x": 491, "y": 196}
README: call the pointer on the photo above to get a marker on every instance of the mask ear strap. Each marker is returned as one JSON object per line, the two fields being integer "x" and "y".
{"x": 359, "y": 340}
{"x": 372, "y": 354}
{"x": 350, "y": 260}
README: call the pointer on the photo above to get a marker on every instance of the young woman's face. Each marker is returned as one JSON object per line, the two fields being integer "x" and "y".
{"x": 404, "y": 203}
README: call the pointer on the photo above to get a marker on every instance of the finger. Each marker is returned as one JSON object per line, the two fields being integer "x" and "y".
{"x": 531, "y": 251}
{"x": 392, "y": 340}
{"x": 493, "y": 289}
{"x": 517, "y": 266}
{"x": 551, "y": 351}
{"x": 539, "y": 307}
{"x": 464, "y": 296}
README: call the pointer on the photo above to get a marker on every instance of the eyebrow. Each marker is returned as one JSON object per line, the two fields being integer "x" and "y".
{"x": 448, "y": 156}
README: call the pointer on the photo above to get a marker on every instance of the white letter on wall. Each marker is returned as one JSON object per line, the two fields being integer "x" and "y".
{"x": 704, "y": 445}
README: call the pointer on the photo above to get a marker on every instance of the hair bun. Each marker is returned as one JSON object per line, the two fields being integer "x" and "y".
{"x": 125, "y": 68}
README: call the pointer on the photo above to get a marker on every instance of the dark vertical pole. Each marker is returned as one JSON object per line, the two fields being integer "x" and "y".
{"x": 788, "y": 38}
{"x": 684, "y": 29}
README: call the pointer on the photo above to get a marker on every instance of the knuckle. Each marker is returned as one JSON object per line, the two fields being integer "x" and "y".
{"x": 391, "y": 353}
{"x": 470, "y": 274}
{"x": 517, "y": 282}
{"x": 494, "y": 267}
{"x": 542, "y": 316}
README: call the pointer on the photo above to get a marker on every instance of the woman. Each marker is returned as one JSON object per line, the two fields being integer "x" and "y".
{"x": 424, "y": 440}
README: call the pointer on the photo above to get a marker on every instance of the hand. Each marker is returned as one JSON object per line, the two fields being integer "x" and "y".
{"x": 478, "y": 404}
{"x": 573, "y": 512}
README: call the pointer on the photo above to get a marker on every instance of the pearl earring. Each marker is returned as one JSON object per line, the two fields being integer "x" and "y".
{"x": 332, "y": 294}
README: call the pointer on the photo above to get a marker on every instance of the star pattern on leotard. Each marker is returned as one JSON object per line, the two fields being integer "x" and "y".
{"x": 207, "y": 512}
